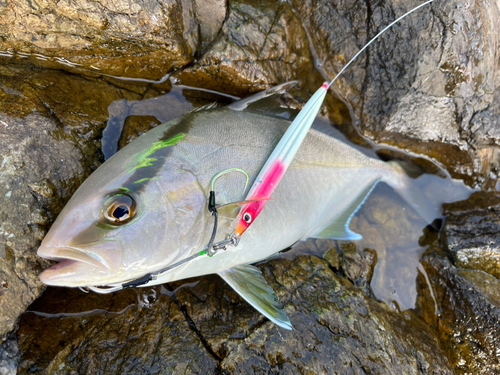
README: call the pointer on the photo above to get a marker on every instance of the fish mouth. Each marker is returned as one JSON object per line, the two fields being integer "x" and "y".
{"x": 64, "y": 255}
{"x": 73, "y": 263}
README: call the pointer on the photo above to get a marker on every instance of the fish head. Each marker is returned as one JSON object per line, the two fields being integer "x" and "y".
{"x": 124, "y": 222}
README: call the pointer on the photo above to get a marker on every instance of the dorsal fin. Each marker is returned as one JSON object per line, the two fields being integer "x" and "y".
{"x": 205, "y": 107}
{"x": 266, "y": 102}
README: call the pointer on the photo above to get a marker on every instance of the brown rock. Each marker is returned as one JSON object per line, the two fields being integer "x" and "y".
{"x": 435, "y": 93}
{"x": 50, "y": 123}
{"x": 202, "y": 325}
{"x": 135, "y": 126}
{"x": 333, "y": 259}
{"x": 470, "y": 233}
{"x": 419, "y": 86}
{"x": 31, "y": 153}
{"x": 140, "y": 333}
{"x": 121, "y": 38}
{"x": 260, "y": 45}
{"x": 468, "y": 319}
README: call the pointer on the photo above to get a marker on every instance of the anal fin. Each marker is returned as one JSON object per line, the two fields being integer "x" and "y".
{"x": 249, "y": 283}
{"x": 338, "y": 228}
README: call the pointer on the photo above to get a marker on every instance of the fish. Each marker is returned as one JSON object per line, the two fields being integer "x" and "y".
{"x": 145, "y": 208}
{"x": 141, "y": 218}
{"x": 283, "y": 154}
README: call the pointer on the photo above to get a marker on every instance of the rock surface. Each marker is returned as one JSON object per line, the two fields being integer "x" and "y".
{"x": 50, "y": 123}
{"x": 37, "y": 168}
{"x": 9, "y": 357}
{"x": 470, "y": 234}
{"x": 336, "y": 329}
{"x": 144, "y": 39}
{"x": 260, "y": 45}
{"x": 422, "y": 83}
{"x": 124, "y": 333}
{"x": 430, "y": 85}
{"x": 468, "y": 325}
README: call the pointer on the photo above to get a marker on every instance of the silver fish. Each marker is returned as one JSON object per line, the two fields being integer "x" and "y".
{"x": 146, "y": 207}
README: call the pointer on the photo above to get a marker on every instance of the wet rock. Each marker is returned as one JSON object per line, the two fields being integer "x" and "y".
{"x": 260, "y": 44}
{"x": 210, "y": 15}
{"x": 385, "y": 262}
{"x": 135, "y": 126}
{"x": 484, "y": 128}
{"x": 140, "y": 39}
{"x": 336, "y": 328}
{"x": 50, "y": 125}
{"x": 9, "y": 357}
{"x": 333, "y": 259}
{"x": 140, "y": 332}
{"x": 423, "y": 81}
{"x": 37, "y": 175}
{"x": 45, "y": 188}
{"x": 358, "y": 266}
{"x": 77, "y": 105}
{"x": 50, "y": 136}
{"x": 468, "y": 323}
{"x": 129, "y": 117}
{"x": 428, "y": 85}
{"x": 470, "y": 233}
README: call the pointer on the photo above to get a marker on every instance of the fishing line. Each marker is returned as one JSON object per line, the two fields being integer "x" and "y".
{"x": 212, "y": 208}
{"x": 232, "y": 240}
{"x": 376, "y": 37}
{"x": 221, "y": 245}
{"x": 213, "y": 211}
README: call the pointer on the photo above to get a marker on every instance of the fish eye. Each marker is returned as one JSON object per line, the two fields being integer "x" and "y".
{"x": 119, "y": 209}
{"x": 247, "y": 217}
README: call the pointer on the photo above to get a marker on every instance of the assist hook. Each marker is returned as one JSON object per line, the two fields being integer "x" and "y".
{"x": 211, "y": 250}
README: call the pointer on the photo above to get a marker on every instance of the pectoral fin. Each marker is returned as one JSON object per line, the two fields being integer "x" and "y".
{"x": 248, "y": 282}
{"x": 338, "y": 229}
{"x": 232, "y": 209}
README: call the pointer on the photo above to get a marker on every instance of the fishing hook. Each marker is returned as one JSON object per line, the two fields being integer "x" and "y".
{"x": 220, "y": 174}
{"x": 211, "y": 251}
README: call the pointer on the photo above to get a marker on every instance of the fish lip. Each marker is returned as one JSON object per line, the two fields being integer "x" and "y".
{"x": 74, "y": 254}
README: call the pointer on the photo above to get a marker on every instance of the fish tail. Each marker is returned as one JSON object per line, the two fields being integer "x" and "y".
{"x": 409, "y": 190}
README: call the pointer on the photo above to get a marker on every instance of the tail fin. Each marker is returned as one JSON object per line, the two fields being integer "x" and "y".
{"x": 411, "y": 192}
{"x": 427, "y": 193}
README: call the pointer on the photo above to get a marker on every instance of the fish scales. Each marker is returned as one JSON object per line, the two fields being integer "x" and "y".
{"x": 312, "y": 193}
{"x": 144, "y": 210}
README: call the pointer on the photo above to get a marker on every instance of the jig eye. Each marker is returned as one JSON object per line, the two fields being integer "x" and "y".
{"x": 247, "y": 217}
{"x": 119, "y": 209}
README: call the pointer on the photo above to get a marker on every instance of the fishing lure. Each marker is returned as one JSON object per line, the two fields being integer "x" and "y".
{"x": 267, "y": 180}
{"x": 282, "y": 156}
